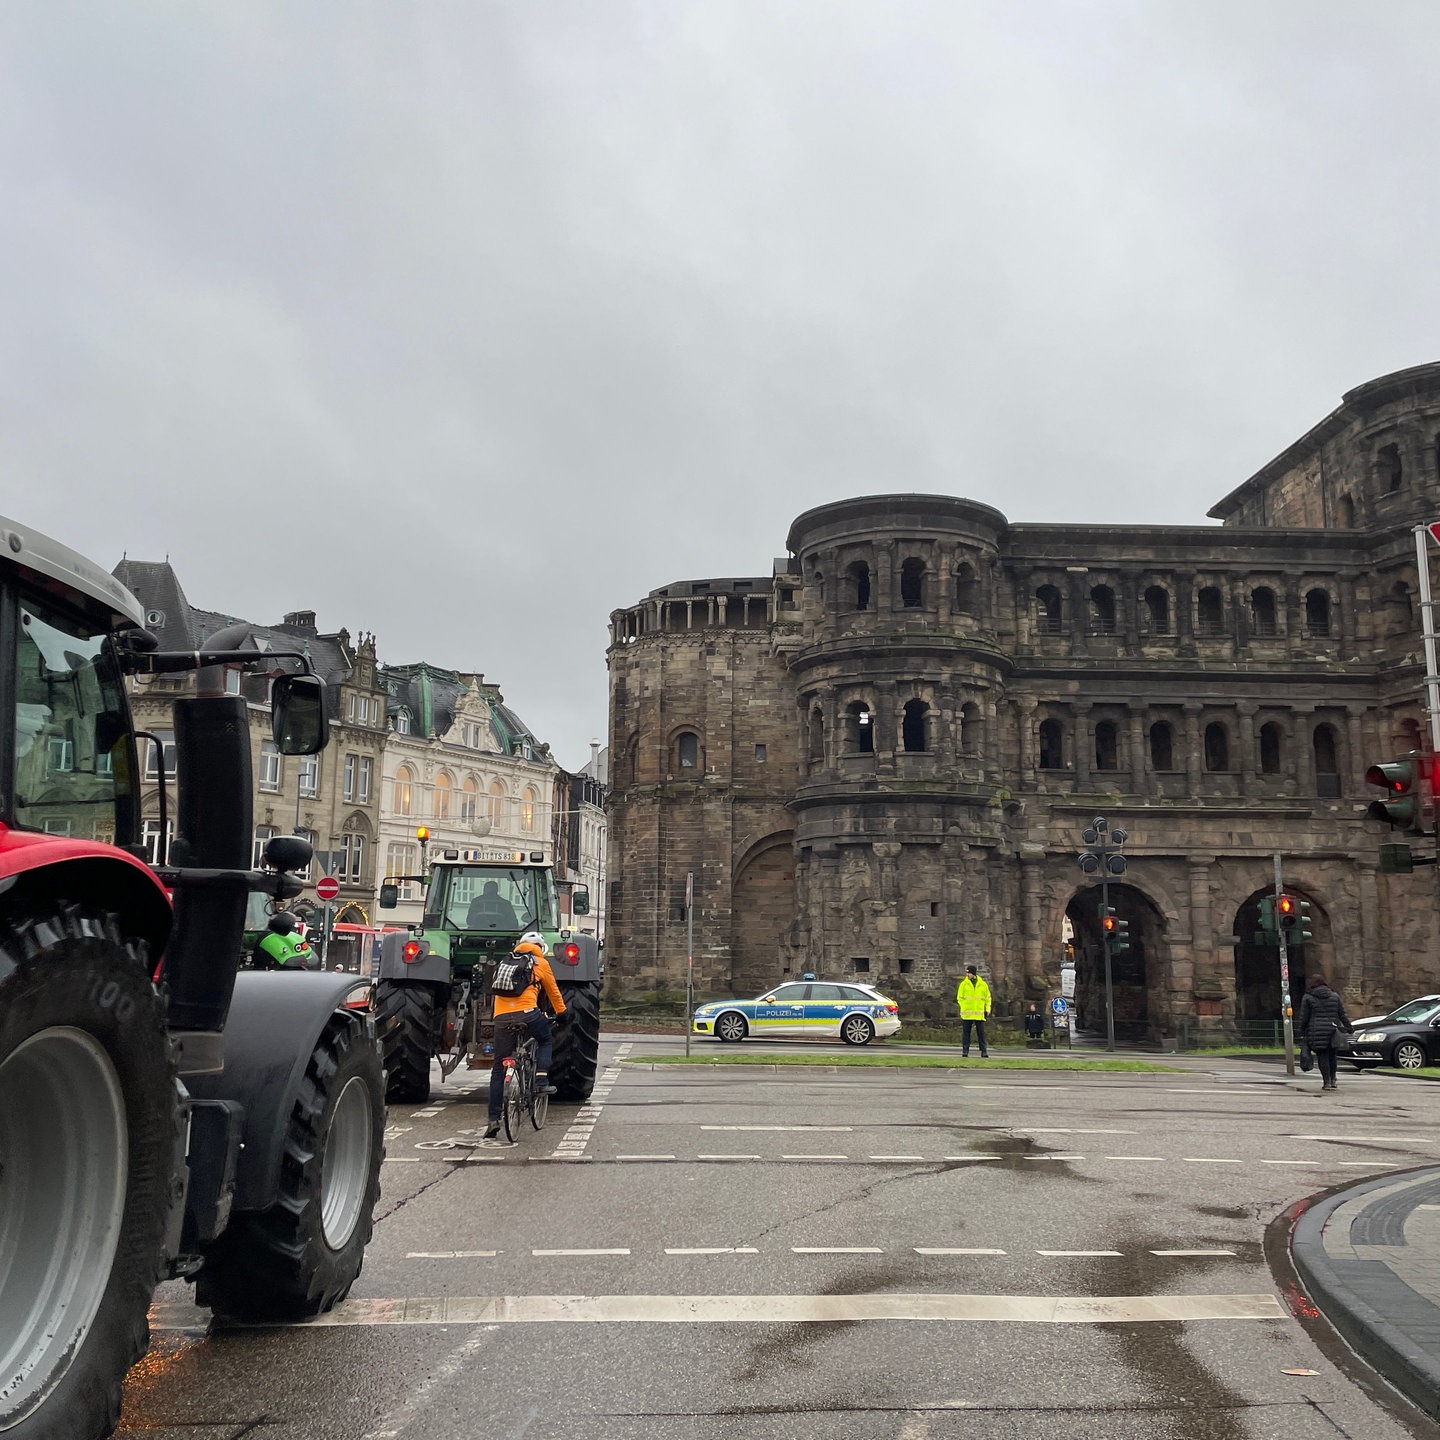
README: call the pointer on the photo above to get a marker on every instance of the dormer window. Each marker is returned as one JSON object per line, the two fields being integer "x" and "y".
{"x": 402, "y": 722}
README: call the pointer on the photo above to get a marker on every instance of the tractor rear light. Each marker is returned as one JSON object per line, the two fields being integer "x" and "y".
{"x": 411, "y": 953}
{"x": 570, "y": 953}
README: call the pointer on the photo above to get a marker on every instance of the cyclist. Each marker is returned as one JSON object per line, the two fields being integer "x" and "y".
{"x": 515, "y": 1014}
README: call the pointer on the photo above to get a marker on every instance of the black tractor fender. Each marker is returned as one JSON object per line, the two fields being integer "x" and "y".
{"x": 275, "y": 1020}
{"x": 427, "y": 965}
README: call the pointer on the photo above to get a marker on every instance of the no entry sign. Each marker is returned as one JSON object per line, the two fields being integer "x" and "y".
{"x": 327, "y": 888}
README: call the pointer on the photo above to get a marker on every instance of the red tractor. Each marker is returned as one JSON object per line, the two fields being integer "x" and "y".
{"x": 158, "y": 1117}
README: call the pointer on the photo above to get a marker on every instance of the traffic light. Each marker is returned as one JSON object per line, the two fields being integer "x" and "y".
{"x": 1295, "y": 918}
{"x": 1269, "y": 931}
{"x": 1115, "y": 930}
{"x": 1404, "y": 805}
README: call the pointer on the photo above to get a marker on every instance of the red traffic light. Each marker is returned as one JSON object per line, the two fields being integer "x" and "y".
{"x": 1108, "y": 924}
{"x": 1286, "y": 905}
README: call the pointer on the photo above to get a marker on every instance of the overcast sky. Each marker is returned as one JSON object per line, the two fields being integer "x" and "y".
{"x": 468, "y": 323}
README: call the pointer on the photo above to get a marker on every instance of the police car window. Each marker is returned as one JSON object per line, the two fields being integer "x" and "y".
{"x": 790, "y": 993}
{"x": 851, "y": 992}
{"x": 827, "y": 992}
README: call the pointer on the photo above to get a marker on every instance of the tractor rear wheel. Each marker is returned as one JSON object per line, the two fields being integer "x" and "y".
{"x": 405, "y": 1016}
{"x": 89, "y": 1135}
{"x": 576, "y": 1060}
{"x": 300, "y": 1256}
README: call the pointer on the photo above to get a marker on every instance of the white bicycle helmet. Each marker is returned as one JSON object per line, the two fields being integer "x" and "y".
{"x": 535, "y": 938}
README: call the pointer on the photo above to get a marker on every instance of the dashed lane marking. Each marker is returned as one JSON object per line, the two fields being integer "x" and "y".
{"x": 1191, "y": 1253}
{"x": 580, "y": 1252}
{"x": 811, "y": 1128}
{"x": 1147, "y": 1158}
{"x": 452, "y": 1254}
{"x": 896, "y": 1157}
{"x": 1209, "y": 1160}
{"x": 1368, "y": 1139}
{"x": 714, "y": 1250}
{"x": 727, "y": 1157}
{"x": 1059, "y": 1130}
{"x": 764, "y": 1309}
{"x": 1077, "y": 1254}
{"x": 644, "y": 1157}
{"x": 836, "y": 1250}
{"x": 815, "y": 1157}
{"x": 955, "y": 1250}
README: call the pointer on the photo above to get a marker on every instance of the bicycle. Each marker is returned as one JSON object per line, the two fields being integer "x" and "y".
{"x": 521, "y": 1095}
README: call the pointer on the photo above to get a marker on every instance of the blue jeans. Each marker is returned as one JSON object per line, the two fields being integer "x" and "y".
{"x": 507, "y": 1036}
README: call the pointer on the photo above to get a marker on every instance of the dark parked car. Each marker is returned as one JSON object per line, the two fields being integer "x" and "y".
{"x": 1406, "y": 1038}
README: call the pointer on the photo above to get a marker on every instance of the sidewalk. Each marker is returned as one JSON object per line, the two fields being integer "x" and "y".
{"x": 1369, "y": 1257}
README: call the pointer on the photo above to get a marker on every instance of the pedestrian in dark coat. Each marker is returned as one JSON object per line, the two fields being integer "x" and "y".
{"x": 1322, "y": 1020}
{"x": 1034, "y": 1023}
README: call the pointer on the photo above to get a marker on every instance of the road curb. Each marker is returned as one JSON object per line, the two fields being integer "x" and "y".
{"x": 1382, "y": 1344}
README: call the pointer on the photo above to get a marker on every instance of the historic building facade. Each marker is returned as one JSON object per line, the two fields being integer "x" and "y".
{"x": 877, "y": 760}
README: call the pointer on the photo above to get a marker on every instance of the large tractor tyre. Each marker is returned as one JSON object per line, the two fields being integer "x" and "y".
{"x": 300, "y": 1256}
{"x": 89, "y": 1155}
{"x": 405, "y": 1018}
{"x": 576, "y": 1059}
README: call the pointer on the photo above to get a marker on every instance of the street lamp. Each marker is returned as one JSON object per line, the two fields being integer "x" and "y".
{"x": 1101, "y": 856}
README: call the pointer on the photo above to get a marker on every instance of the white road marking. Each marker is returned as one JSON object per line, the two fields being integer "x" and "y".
{"x": 814, "y": 1157}
{"x": 1289, "y": 1162}
{"x": 1231, "y": 1253}
{"x": 714, "y": 1250}
{"x": 971, "y": 1157}
{"x": 1390, "y": 1139}
{"x": 829, "y": 1128}
{"x": 896, "y": 1157}
{"x": 1136, "y": 1157}
{"x": 399, "y": 1421}
{"x": 644, "y": 1157}
{"x": 402, "y": 1159}
{"x": 941, "y": 1250}
{"x": 1079, "y": 1253}
{"x": 727, "y": 1157}
{"x": 1365, "y": 1165}
{"x": 1052, "y": 1157}
{"x": 765, "y": 1309}
{"x": 580, "y": 1252}
{"x": 423, "y": 1114}
{"x": 1209, "y": 1160}
{"x": 1059, "y": 1130}
{"x": 452, "y": 1254}
{"x": 836, "y": 1250}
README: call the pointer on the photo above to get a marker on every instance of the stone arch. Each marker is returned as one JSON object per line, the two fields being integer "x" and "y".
{"x": 1139, "y": 977}
{"x": 1257, "y": 967}
{"x": 762, "y": 907}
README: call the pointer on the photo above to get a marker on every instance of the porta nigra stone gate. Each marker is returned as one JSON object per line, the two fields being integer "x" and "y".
{"x": 878, "y": 759}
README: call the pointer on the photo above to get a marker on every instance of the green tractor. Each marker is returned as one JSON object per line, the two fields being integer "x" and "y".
{"x": 433, "y": 992}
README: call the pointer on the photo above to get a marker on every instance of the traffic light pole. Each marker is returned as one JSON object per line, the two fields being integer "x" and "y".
{"x": 1109, "y": 988}
{"x": 1286, "y": 1010}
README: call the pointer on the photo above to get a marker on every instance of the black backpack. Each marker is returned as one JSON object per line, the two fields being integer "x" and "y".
{"x": 514, "y": 975}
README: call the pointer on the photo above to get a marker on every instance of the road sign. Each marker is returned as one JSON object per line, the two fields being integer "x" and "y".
{"x": 1058, "y": 1006}
{"x": 327, "y": 888}
{"x": 1434, "y": 528}
{"x": 1067, "y": 981}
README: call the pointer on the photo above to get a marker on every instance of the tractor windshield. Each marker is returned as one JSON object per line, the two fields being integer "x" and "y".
{"x": 73, "y": 774}
{"x": 505, "y": 899}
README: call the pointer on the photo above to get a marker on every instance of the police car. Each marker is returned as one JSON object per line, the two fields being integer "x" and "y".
{"x": 814, "y": 1008}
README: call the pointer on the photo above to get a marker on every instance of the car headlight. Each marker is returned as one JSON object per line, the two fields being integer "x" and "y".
{"x": 1370, "y": 1037}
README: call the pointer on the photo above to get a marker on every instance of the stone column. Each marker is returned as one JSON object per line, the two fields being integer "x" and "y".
{"x": 885, "y": 591}
{"x": 944, "y": 583}
{"x": 1138, "y": 749}
{"x": 1129, "y": 625}
{"x": 1364, "y": 976}
{"x": 1185, "y": 611}
{"x": 1352, "y": 772}
{"x": 1079, "y": 610}
{"x": 1303, "y": 724}
{"x": 1032, "y": 922}
{"x": 1248, "y": 757}
{"x": 1204, "y": 977}
{"x": 887, "y": 722}
{"x": 1024, "y": 608}
{"x": 1025, "y": 708}
{"x": 1194, "y": 750}
{"x": 1084, "y": 748}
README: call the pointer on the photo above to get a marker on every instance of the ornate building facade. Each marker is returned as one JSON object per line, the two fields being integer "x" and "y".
{"x": 877, "y": 760}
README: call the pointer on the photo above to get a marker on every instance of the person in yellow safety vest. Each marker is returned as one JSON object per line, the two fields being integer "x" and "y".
{"x": 973, "y": 998}
{"x": 282, "y": 947}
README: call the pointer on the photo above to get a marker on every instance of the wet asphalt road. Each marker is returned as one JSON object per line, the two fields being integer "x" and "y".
{"x": 836, "y": 1194}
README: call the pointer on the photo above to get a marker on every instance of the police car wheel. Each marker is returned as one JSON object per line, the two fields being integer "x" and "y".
{"x": 856, "y": 1030}
{"x": 731, "y": 1027}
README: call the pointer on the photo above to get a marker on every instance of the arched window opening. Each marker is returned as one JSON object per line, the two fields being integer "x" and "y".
{"x": 1402, "y": 609}
{"x": 914, "y": 722}
{"x": 1217, "y": 747}
{"x": 688, "y": 750}
{"x": 404, "y": 791}
{"x": 1209, "y": 612}
{"x": 1050, "y": 617}
{"x": 861, "y": 729}
{"x": 1162, "y": 746}
{"x": 1345, "y": 513}
{"x": 912, "y": 583}
{"x": 817, "y": 736}
{"x": 969, "y": 729}
{"x": 1271, "y": 741}
{"x": 1102, "y": 603}
{"x": 1052, "y": 745}
{"x": 1157, "y": 606}
{"x": 469, "y": 799}
{"x": 1262, "y": 612}
{"x": 1392, "y": 468}
{"x": 859, "y": 581}
{"x": 967, "y": 591}
{"x": 443, "y": 787}
{"x": 1107, "y": 749}
{"x": 1317, "y": 612}
{"x": 495, "y": 804}
{"x": 1327, "y": 763}
{"x": 527, "y": 810}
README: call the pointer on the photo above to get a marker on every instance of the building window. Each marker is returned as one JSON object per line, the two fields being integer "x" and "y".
{"x": 404, "y": 791}
{"x": 914, "y": 722}
{"x": 469, "y": 798}
{"x": 153, "y": 757}
{"x": 495, "y": 804}
{"x": 760, "y": 752}
{"x": 310, "y": 837}
{"x": 857, "y": 579}
{"x": 967, "y": 591}
{"x": 270, "y": 769}
{"x": 1209, "y": 613}
{"x": 1102, "y": 604}
{"x": 1217, "y": 747}
{"x": 860, "y": 729}
{"x": 402, "y": 722}
{"x": 351, "y": 865}
{"x": 1270, "y": 741}
{"x": 263, "y": 835}
{"x": 362, "y": 789}
{"x": 308, "y": 769}
{"x": 347, "y": 790}
{"x": 156, "y": 845}
{"x": 1262, "y": 612}
{"x": 527, "y": 810}
{"x": 61, "y": 757}
{"x": 399, "y": 861}
{"x": 1052, "y": 745}
{"x": 1157, "y": 607}
{"x": 1162, "y": 747}
{"x": 1345, "y": 514}
{"x": 861, "y": 965}
{"x": 1327, "y": 763}
{"x": 688, "y": 748}
{"x": 969, "y": 728}
{"x": 1050, "y": 615}
{"x": 1317, "y": 613}
{"x": 912, "y": 583}
{"x": 1106, "y": 746}
{"x": 1402, "y": 610}
{"x": 443, "y": 787}
{"x": 1392, "y": 468}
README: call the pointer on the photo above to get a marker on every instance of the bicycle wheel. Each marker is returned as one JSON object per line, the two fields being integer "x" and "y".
{"x": 539, "y": 1103}
{"x": 512, "y": 1105}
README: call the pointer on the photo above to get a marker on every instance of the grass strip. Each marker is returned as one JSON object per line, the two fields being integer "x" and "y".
{"x": 910, "y": 1062}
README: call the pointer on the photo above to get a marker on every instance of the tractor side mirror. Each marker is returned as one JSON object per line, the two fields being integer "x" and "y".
{"x": 389, "y": 896}
{"x": 580, "y": 900}
{"x": 288, "y": 854}
{"x": 297, "y": 715}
